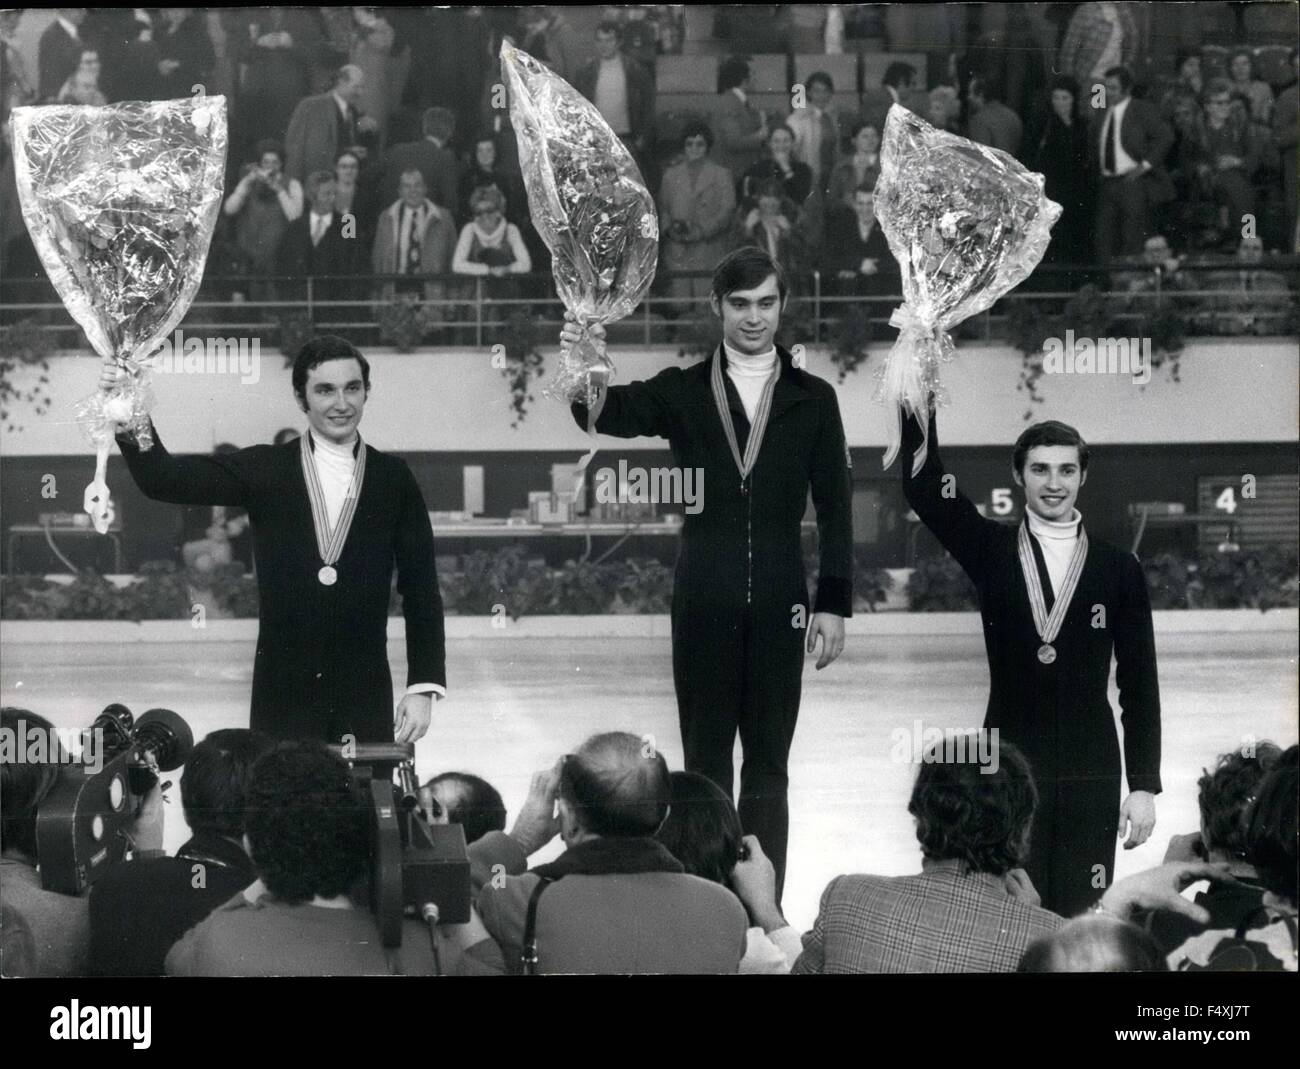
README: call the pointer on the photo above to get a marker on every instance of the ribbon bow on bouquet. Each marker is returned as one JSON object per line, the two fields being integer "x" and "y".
{"x": 966, "y": 224}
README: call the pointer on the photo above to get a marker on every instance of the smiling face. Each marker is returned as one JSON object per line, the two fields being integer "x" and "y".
{"x": 864, "y": 204}
{"x": 1241, "y": 68}
{"x": 750, "y": 318}
{"x": 334, "y": 399}
{"x": 346, "y": 169}
{"x": 323, "y": 199}
{"x": 867, "y": 141}
{"x": 780, "y": 142}
{"x": 485, "y": 153}
{"x": 1063, "y": 104}
{"x": 1051, "y": 480}
{"x": 411, "y": 189}
{"x": 696, "y": 148}
{"x": 819, "y": 96}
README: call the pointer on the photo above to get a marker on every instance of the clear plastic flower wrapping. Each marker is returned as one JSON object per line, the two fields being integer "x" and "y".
{"x": 967, "y": 224}
{"x": 591, "y": 207}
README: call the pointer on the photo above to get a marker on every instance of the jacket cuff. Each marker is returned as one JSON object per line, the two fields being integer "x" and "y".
{"x": 834, "y": 595}
{"x": 1149, "y": 782}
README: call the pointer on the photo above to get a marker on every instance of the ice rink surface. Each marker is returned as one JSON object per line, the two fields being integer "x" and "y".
{"x": 516, "y": 704}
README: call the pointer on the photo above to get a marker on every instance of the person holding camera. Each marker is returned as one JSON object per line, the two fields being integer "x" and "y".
{"x": 261, "y": 207}
{"x": 58, "y": 924}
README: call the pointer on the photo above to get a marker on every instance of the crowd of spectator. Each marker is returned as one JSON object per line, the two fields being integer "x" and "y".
{"x": 657, "y": 875}
{"x": 336, "y": 112}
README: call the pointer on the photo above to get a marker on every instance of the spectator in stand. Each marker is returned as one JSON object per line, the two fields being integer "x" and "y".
{"x": 552, "y": 38}
{"x": 482, "y": 170}
{"x": 945, "y": 108}
{"x": 491, "y": 248}
{"x": 771, "y": 225}
{"x": 275, "y": 48}
{"x": 59, "y": 925}
{"x": 1229, "y": 158}
{"x": 17, "y": 87}
{"x": 616, "y": 901}
{"x": 856, "y": 261}
{"x": 464, "y": 799}
{"x": 991, "y": 122}
{"x": 817, "y": 130}
{"x": 414, "y": 238}
{"x": 793, "y": 176}
{"x": 60, "y": 50}
{"x": 696, "y": 204}
{"x": 862, "y": 168}
{"x": 140, "y": 909}
{"x": 742, "y": 130}
{"x": 1225, "y": 798}
{"x": 356, "y": 192}
{"x": 1265, "y": 940}
{"x": 431, "y": 156}
{"x": 324, "y": 125}
{"x": 262, "y": 206}
{"x": 1059, "y": 152}
{"x": 1188, "y": 67}
{"x": 184, "y": 53}
{"x": 621, "y": 89}
{"x": 703, "y": 832}
{"x": 1100, "y": 36}
{"x": 373, "y": 49}
{"x": 1094, "y": 943}
{"x": 1162, "y": 273}
{"x": 1191, "y": 216}
{"x": 1257, "y": 93}
{"x": 1249, "y": 300}
{"x": 899, "y": 78}
{"x": 1130, "y": 141}
{"x": 127, "y": 44}
{"x": 305, "y": 824}
{"x": 320, "y": 246}
{"x": 82, "y": 87}
{"x": 1286, "y": 129}
{"x": 971, "y": 909}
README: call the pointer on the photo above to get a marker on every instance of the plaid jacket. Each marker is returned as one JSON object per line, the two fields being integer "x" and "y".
{"x": 937, "y": 921}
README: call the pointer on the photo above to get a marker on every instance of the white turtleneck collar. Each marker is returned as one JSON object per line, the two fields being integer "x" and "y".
{"x": 1058, "y": 529}
{"x": 759, "y": 366}
{"x": 343, "y": 449}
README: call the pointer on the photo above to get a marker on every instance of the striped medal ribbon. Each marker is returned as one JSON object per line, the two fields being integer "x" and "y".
{"x": 757, "y": 428}
{"x": 1049, "y": 626}
{"x": 330, "y": 543}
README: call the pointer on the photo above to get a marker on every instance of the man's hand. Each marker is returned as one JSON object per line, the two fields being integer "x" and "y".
{"x": 1139, "y": 813}
{"x": 536, "y": 825}
{"x": 1019, "y": 886}
{"x": 571, "y": 332}
{"x": 147, "y": 832}
{"x": 868, "y": 266}
{"x": 754, "y": 882}
{"x": 831, "y": 628}
{"x": 414, "y": 712}
{"x": 1161, "y": 887}
{"x": 109, "y": 372}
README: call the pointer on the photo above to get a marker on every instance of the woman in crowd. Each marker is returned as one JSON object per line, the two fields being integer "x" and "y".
{"x": 860, "y": 169}
{"x": 82, "y": 86}
{"x": 772, "y": 224}
{"x": 262, "y": 206}
{"x": 1258, "y": 95}
{"x": 1059, "y": 151}
{"x": 696, "y": 204}
{"x": 490, "y": 247}
{"x": 794, "y": 177}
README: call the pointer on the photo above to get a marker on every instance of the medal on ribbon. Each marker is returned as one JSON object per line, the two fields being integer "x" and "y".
{"x": 329, "y": 543}
{"x": 1048, "y": 625}
{"x": 757, "y": 428}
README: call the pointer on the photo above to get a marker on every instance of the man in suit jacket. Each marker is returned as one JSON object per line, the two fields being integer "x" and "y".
{"x": 431, "y": 156}
{"x": 321, "y": 244}
{"x": 416, "y": 238}
{"x": 992, "y": 123}
{"x": 1127, "y": 143}
{"x": 817, "y": 130}
{"x": 856, "y": 255}
{"x": 616, "y": 901}
{"x": 322, "y": 126}
{"x": 741, "y": 129}
{"x": 1049, "y": 664}
{"x": 139, "y": 909}
{"x": 620, "y": 88}
{"x": 60, "y": 50}
{"x": 762, "y": 433}
{"x": 332, "y": 518}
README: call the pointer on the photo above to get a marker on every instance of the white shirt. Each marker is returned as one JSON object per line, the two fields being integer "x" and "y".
{"x": 1057, "y": 539}
{"x": 334, "y": 467}
{"x": 806, "y": 124}
{"x": 1123, "y": 161}
{"x": 319, "y": 225}
{"x": 749, "y": 374}
{"x": 611, "y": 95}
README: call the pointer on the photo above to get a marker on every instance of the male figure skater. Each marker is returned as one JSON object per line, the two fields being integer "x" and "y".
{"x": 763, "y": 432}
{"x": 1055, "y": 603}
{"x": 332, "y": 517}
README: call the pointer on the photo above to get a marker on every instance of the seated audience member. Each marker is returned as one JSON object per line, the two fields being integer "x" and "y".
{"x": 856, "y": 259}
{"x": 703, "y": 832}
{"x": 1265, "y": 940}
{"x": 491, "y": 248}
{"x": 319, "y": 245}
{"x": 1226, "y": 795}
{"x": 482, "y": 170}
{"x": 138, "y": 910}
{"x": 1229, "y": 156}
{"x": 944, "y": 108}
{"x": 464, "y": 799}
{"x": 82, "y": 86}
{"x": 616, "y": 901}
{"x": 432, "y": 156}
{"x": 1094, "y": 943}
{"x": 772, "y": 226}
{"x": 414, "y": 238}
{"x": 862, "y": 168}
{"x": 779, "y": 165}
{"x": 306, "y": 831}
{"x": 57, "y": 926}
{"x": 1249, "y": 299}
{"x": 972, "y": 908}
{"x": 1161, "y": 273}
{"x": 1258, "y": 94}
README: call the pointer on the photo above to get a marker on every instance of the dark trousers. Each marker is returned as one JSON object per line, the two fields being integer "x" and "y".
{"x": 1123, "y": 217}
{"x": 740, "y": 669}
{"x": 1072, "y": 842}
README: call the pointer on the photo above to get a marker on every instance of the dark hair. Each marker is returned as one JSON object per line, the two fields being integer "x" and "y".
{"x": 317, "y": 179}
{"x": 1271, "y": 832}
{"x": 697, "y": 128}
{"x": 1094, "y": 944}
{"x": 779, "y": 126}
{"x": 215, "y": 781}
{"x": 286, "y": 434}
{"x": 1216, "y": 86}
{"x": 1242, "y": 52}
{"x": 1124, "y": 75}
{"x": 1227, "y": 793}
{"x": 306, "y": 823}
{"x": 1183, "y": 55}
{"x": 964, "y": 812}
{"x": 819, "y": 76}
{"x": 703, "y": 829}
{"x": 1068, "y": 82}
{"x": 744, "y": 269}
{"x": 898, "y": 73}
{"x": 617, "y": 785}
{"x": 610, "y": 26}
{"x": 732, "y": 72}
{"x": 347, "y": 152}
{"x": 861, "y": 125}
{"x": 320, "y": 349}
{"x": 439, "y": 123}
{"x": 268, "y": 144}
{"x": 25, "y": 784}
{"x": 478, "y": 808}
{"x": 1049, "y": 432}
